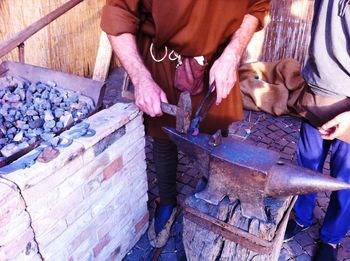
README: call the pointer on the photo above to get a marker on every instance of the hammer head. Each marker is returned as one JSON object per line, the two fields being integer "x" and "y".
{"x": 184, "y": 112}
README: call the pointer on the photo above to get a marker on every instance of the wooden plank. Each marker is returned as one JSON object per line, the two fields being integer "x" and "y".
{"x": 103, "y": 59}
{"x": 13, "y": 42}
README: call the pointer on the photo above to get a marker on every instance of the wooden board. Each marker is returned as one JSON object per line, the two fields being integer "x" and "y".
{"x": 202, "y": 244}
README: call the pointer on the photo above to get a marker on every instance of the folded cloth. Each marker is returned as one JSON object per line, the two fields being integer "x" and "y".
{"x": 278, "y": 88}
{"x": 272, "y": 87}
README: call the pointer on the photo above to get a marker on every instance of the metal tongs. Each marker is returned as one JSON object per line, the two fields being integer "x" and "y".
{"x": 201, "y": 112}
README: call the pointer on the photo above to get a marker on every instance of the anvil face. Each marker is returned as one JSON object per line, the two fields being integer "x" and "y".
{"x": 231, "y": 151}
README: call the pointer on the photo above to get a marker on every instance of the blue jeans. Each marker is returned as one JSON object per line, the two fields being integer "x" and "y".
{"x": 311, "y": 153}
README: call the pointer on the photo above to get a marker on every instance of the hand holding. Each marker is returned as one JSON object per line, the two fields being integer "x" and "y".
{"x": 148, "y": 97}
{"x": 224, "y": 73}
{"x": 336, "y": 127}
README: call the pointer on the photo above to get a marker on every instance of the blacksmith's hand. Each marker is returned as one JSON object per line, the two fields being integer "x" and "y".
{"x": 336, "y": 127}
{"x": 148, "y": 96}
{"x": 224, "y": 73}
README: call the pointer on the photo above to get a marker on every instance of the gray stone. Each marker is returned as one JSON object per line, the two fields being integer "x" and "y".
{"x": 51, "y": 83}
{"x": 58, "y": 112}
{"x": 67, "y": 120}
{"x": 49, "y": 124}
{"x": 48, "y": 115}
{"x": 47, "y": 136}
{"x": 38, "y": 123}
{"x": 23, "y": 145}
{"x": 9, "y": 150}
{"x": 18, "y": 137}
{"x": 11, "y": 130}
{"x": 3, "y": 141}
{"x": 32, "y": 112}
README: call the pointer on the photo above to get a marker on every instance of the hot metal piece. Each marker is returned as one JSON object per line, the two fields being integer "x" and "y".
{"x": 248, "y": 173}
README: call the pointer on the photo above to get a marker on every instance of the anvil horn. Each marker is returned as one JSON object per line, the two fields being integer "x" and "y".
{"x": 288, "y": 179}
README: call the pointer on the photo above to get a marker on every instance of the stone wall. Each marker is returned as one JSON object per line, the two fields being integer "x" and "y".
{"x": 89, "y": 203}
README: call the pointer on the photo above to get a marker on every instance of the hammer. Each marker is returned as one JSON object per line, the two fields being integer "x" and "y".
{"x": 182, "y": 111}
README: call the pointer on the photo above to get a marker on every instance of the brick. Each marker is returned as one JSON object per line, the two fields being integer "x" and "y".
{"x": 59, "y": 247}
{"x": 34, "y": 194}
{"x": 142, "y": 223}
{"x": 43, "y": 221}
{"x": 36, "y": 173}
{"x": 16, "y": 226}
{"x": 21, "y": 243}
{"x": 49, "y": 235}
{"x": 101, "y": 244}
{"x": 113, "y": 168}
{"x": 11, "y": 209}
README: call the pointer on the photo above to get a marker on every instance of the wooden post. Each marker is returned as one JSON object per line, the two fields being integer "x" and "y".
{"x": 103, "y": 59}
{"x": 202, "y": 242}
{"x": 21, "y": 56}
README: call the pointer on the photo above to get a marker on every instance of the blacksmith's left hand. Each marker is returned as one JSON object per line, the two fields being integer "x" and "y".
{"x": 224, "y": 73}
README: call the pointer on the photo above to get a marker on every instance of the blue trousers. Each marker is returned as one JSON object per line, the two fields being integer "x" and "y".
{"x": 311, "y": 153}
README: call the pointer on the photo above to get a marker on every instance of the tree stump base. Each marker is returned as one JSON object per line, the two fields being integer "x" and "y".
{"x": 221, "y": 232}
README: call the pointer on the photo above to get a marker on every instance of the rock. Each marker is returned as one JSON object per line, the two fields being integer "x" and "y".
{"x": 47, "y": 136}
{"x": 9, "y": 150}
{"x": 54, "y": 141}
{"x": 8, "y": 124}
{"x": 21, "y": 93}
{"x": 59, "y": 112}
{"x": 3, "y": 129}
{"x": 3, "y": 141}
{"x": 51, "y": 83}
{"x": 38, "y": 123}
{"x": 47, "y": 155}
{"x": 40, "y": 87}
{"x": 23, "y": 145}
{"x": 10, "y": 97}
{"x": 11, "y": 130}
{"x": 32, "y": 140}
{"x": 18, "y": 136}
{"x": 38, "y": 131}
{"x": 32, "y": 87}
{"x": 32, "y": 112}
{"x": 48, "y": 116}
{"x": 67, "y": 120}
{"x": 49, "y": 124}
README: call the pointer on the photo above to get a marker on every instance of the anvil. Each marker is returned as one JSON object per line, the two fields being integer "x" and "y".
{"x": 248, "y": 173}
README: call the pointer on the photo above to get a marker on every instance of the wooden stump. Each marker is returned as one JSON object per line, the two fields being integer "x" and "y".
{"x": 201, "y": 243}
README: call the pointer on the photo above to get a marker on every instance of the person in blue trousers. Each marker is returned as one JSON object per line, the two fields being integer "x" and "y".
{"x": 325, "y": 104}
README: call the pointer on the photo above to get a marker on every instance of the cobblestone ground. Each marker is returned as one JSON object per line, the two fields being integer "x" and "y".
{"x": 276, "y": 133}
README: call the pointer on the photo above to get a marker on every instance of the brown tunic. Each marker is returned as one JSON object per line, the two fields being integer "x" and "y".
{"x": 191, "y": 28}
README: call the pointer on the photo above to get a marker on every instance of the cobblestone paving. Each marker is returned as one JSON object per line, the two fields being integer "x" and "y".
{"x": 276, "y": 133}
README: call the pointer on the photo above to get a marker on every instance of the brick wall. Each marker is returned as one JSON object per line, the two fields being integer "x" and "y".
{"x": 90, "y": 203}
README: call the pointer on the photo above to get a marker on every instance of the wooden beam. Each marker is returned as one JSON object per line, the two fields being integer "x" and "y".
{"x": 16, "y": 40}
{"x": 103, "y": 59}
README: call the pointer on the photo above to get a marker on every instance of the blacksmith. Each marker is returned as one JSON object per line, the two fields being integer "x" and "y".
{"x": 152, "y": 39}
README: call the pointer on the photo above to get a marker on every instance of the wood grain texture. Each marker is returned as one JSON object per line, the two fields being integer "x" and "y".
{"x": 203, "y": 244}
{"x": 68, "y": 44}
{"x": 287, "y": 33}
